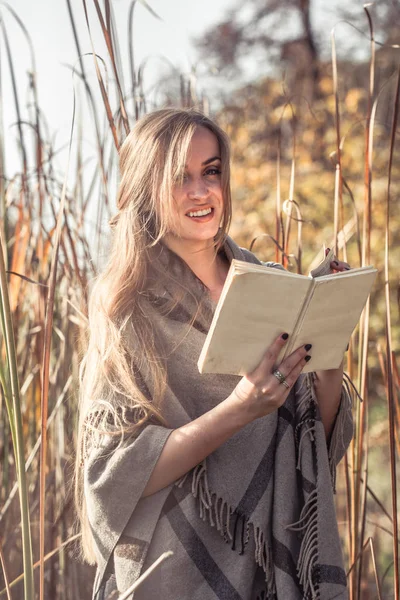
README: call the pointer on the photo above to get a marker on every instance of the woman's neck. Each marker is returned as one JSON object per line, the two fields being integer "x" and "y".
{"x": 211, "y": 268}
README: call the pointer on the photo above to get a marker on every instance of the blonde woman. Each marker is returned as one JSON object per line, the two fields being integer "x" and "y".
{"x": 234, "y": 475}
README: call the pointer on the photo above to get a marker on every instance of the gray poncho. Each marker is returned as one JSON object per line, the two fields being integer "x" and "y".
{"x": 256, "y": 520}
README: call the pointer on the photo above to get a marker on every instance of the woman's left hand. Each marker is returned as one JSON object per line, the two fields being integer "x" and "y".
{"x": 337, "y": 266}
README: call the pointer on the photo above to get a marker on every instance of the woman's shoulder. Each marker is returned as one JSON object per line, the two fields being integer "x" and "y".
{"x": 253, "y": 258}
{"x": 273, "y": 265}
{"x": 244, "y": 254}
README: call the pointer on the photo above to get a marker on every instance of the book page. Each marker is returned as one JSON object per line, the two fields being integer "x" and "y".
{"x": 257, "y": 307}
{"x": 332, "y": 314}
{"x": 324, "y": 268}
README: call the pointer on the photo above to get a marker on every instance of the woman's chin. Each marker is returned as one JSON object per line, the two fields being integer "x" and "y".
{"x": 201, "y": 236}
{"x": 189, "y": 239}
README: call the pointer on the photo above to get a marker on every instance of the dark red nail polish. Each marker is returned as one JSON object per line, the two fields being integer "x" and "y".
{"x": 308, "y": 347}
{"x": 335, "y": 262}
{"x": 284, "y": 336}
{"x": 307, "y": 358}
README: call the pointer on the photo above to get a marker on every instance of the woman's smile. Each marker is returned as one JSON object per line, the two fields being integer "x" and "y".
{"x": 201, "y": 215}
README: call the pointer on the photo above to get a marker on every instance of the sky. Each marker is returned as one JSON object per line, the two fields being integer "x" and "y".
{"x": 48, "y": 24}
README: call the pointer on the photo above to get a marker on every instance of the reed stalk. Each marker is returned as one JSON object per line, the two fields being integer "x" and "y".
{"x": 338, "y": 166}
{"x": 36, "y": 565}
{"x": 15, "y": 417}
{"x": 6, "y": 579}
{"x": 389, "y": 352}
{"x": 46, "y": 363}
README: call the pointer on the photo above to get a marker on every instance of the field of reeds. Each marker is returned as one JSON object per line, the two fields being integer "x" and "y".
{"x": 325, "y": 172}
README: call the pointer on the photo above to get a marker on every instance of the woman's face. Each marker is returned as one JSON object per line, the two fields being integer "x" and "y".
{"x": 198, "y": 199}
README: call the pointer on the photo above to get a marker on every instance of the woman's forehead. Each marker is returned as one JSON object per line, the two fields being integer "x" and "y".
{"x": 203, "y": 146}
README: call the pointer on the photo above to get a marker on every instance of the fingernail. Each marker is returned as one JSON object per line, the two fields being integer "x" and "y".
{"x": 335, "y": 262}
{"x": 307, "y": 358}
{"x": 308, "y": 347}
{"x": 284, "y": 336}
{"x": 347, "y": 268}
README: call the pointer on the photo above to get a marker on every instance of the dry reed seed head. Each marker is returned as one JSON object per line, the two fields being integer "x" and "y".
{"x": 152, "y": 161}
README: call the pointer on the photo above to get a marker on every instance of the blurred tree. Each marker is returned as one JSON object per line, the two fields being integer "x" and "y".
{"x": 292, "y": 36}
{"x": 278, "y": 30}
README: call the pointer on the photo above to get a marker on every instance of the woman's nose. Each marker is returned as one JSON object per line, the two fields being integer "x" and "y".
{"x": 198, "y": 189}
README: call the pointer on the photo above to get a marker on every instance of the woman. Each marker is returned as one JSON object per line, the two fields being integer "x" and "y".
{"x": 235, "y": 475}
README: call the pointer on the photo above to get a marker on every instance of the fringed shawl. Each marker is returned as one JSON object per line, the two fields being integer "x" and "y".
{"x": 260, "y": 507}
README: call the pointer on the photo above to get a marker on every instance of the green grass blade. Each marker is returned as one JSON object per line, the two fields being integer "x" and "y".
{"x": 8, "y": 333}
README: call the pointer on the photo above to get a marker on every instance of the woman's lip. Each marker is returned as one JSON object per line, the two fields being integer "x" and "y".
{"x": 198, "y": 209}
{"x": 202, "y": 219}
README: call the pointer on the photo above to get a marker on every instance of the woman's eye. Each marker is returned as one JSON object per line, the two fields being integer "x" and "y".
{"x": 213, "y": 171}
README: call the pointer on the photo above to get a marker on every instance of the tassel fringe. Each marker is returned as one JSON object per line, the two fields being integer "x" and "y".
{"x": 235, "y": 528}
{"x": 308, "y": 557}
{"x": 337, "y": 446}
{"x": 307, "y": 525}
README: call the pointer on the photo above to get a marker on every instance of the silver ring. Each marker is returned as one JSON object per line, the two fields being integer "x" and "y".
{"x": 280, "y": 376}
{"x": 285, "y": 383}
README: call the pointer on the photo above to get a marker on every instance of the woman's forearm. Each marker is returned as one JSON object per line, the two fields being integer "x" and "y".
{"x": 328, "y": 388}
{"x": 188, "y": 445}
{"x": 256, "y": 395}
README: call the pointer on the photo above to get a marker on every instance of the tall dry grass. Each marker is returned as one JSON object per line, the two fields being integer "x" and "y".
{"x": 50, "y": 239}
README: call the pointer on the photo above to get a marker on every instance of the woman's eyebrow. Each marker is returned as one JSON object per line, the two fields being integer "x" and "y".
{"x": 210, "y": 160}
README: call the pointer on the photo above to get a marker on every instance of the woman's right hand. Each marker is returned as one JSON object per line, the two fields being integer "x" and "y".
{"x": 261, "y": 392}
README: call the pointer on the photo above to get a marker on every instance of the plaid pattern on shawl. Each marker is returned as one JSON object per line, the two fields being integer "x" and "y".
{"x": 254, "y": 521}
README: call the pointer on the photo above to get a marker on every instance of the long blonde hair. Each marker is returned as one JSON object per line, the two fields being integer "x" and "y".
{"x": 152, "y": 159}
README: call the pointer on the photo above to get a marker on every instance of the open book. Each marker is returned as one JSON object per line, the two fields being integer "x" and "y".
{"x": 259, "y": 302}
